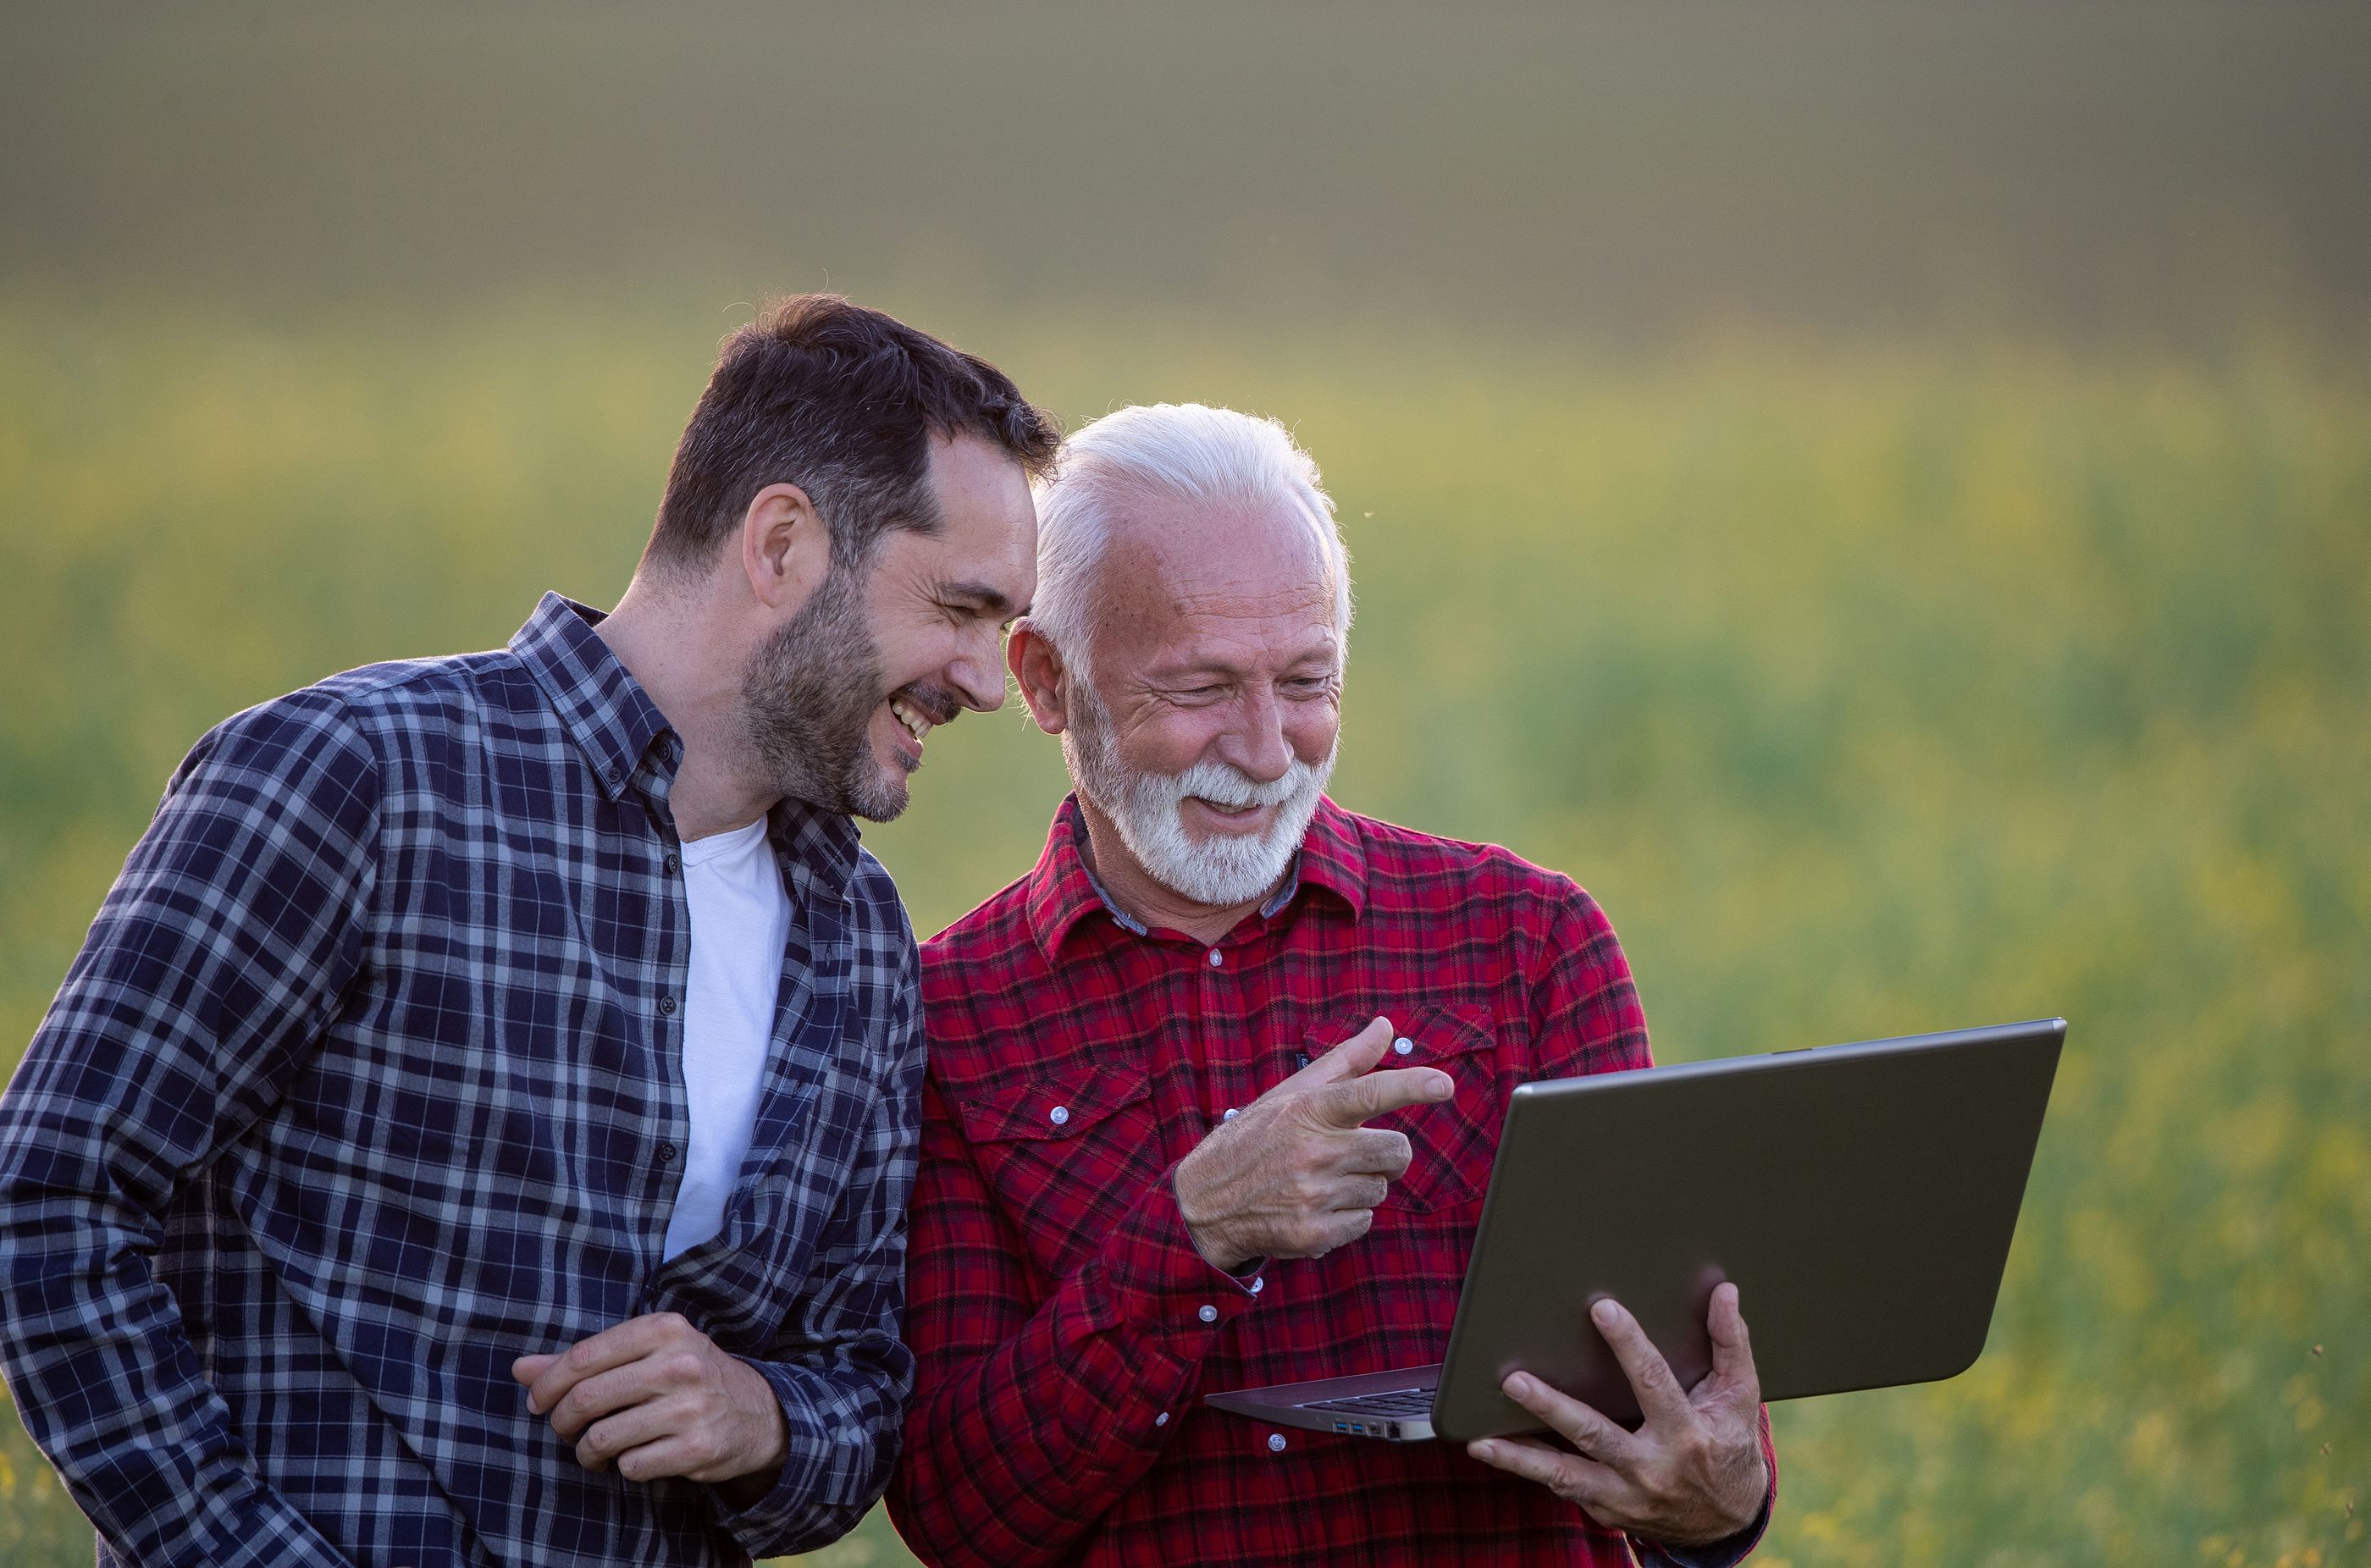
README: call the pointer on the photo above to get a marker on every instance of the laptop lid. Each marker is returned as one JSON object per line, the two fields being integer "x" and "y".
{"x": 1862, "y": 1196}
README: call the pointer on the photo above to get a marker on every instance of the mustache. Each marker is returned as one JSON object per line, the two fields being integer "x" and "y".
{"x": 1223, "y": 785}
{"x": 934, "y": 702}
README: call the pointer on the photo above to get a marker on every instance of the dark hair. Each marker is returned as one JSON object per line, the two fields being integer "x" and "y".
{"x": 842, "y": 403}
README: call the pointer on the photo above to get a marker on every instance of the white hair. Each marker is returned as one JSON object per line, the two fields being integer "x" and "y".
{"x": 1175, "y": 452}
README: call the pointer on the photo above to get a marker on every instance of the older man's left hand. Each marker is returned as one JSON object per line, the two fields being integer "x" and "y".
{"x": 655, "y": 1397}
{"x": 1693, "y": 1473}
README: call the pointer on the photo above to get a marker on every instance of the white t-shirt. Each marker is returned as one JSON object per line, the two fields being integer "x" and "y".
{"x": 740, "y": 921}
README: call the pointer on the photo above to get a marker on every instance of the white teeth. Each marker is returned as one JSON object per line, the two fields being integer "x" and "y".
{"x": 913, "y": 721}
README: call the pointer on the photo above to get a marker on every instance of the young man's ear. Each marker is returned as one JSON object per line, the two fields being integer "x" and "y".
{"x": 1041, "y": 674}
{"x": 785, "y": 548}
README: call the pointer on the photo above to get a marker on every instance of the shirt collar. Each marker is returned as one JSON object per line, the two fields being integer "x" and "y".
{"x": 1062, "y": 892}
{"x": 604, "y": 710}
{"x": 615, "y": 724}
{"x": 819, "y": 848}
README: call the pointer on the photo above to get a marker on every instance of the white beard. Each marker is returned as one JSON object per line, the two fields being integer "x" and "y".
{"x": 1147, "y": 808}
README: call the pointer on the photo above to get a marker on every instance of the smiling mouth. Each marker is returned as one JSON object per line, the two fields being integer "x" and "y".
{"x": 915, "y": 722}
{"x": 1224, "y": 810}
{"x": 921, "y": 710}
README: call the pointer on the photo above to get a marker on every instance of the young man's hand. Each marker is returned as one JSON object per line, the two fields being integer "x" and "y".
{"x": 655, "y": 1397}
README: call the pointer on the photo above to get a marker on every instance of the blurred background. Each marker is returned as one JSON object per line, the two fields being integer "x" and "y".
{"x": 1880, "y": 494}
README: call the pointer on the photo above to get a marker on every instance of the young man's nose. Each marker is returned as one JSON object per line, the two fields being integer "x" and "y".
{"x": 981, "y": 682}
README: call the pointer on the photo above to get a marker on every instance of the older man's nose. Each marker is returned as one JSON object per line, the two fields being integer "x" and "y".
{"x": 1260, "y": 749}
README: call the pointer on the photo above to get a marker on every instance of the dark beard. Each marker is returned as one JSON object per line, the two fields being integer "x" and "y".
{"x": 807, "y": 700}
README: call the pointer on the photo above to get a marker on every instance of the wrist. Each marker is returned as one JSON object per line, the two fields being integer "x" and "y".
{"x": 1207, "y": 1233}
{"x": 1215, "y": 1251}
{"x": 1742, "y": 1507}
{"x": 768, "y": 1440}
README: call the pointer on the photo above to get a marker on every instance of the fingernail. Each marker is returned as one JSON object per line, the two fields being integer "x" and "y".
{"x": 1443, "y": 1086}
{"x": 1517, "y": 1386}
{"x": 1485, "y": 1449}
{"x": 1605, "y": 1313}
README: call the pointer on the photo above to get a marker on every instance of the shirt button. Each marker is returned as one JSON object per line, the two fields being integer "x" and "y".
{"x": 1059, "y": 1115}
{"x": 674, "y": 862}
{"x": 666, "y": 1007}
{"x": 1230, "y": 1116}
{"x": 1217, "y": 958}
{"x": 1302, "y": 1059}
{"x": 1207, "y": 1312}
{"x": 666, "y": 1154}
{"x": 1259, "y": 1282}
{"x": 1161, "y": 1419}
{"x": 1276, "y": 1442}
{"x": 1403, "y": 1044}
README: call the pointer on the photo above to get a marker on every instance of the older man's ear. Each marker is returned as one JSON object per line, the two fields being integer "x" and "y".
{"x": 1041, "y": 674}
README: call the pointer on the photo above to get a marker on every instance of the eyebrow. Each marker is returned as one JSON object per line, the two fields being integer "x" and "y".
{"x": 990, "y": 600}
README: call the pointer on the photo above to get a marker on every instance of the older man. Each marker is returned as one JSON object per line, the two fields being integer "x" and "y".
{"x": 1214, "y": 1089}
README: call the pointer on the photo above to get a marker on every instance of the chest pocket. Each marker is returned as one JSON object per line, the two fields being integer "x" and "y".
{"x": 1067, "y": 1153}
{"x": 1451, "y": 1144}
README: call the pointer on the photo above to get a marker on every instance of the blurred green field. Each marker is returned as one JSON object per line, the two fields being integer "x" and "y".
{"x": 1872, "y": 690}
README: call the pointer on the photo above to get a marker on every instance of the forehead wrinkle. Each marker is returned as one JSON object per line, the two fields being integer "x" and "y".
{"x": 1215, "y": 630}
{"x": 1269, "y": 563}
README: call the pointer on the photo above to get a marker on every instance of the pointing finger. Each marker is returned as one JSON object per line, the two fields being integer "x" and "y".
{"x": 1348, "y": 1060}
{"x": 1660, "y": 1398}
{"x": 1346, "y": 1105}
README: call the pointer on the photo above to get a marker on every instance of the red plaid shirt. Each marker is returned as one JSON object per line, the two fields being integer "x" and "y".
{"x": 1065, "y": 1328}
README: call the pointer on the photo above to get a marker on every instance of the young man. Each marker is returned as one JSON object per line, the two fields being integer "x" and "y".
{"x": 478, "y": 1126}
{"x": 1148, "y": 1166}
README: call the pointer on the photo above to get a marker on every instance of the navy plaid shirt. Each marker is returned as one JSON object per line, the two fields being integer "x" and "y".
{"x": 367, "y": 1080}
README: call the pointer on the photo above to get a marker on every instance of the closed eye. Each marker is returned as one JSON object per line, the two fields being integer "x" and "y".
{"x": 976, "y": 601}
{"x": 1198, "y": 694}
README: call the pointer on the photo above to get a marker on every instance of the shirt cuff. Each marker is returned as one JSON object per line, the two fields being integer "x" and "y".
{"x": 829, "y": 1464}
{"x": 1161, "y": 1280}
{"x": 1725, "y": 1552}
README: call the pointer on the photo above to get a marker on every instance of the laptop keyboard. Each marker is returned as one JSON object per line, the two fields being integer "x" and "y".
{"x": 1400, "y": 1402}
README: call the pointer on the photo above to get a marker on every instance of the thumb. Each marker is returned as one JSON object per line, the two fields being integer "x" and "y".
{"x": 1350, "y": 1059}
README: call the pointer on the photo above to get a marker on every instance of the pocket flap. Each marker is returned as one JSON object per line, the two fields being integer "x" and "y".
{"x": 1048, "y": 1106}
{"x": 1434, "y": 1034}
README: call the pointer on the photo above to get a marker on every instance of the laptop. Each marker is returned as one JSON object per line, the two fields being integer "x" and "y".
{"x": 1861, "y": 1196}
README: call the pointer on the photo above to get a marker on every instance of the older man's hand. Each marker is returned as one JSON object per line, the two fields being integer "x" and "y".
{"x": 655, "y": 1397}
{"x": 1695, "y": 1472}
{"x": 1296, "y": 1173}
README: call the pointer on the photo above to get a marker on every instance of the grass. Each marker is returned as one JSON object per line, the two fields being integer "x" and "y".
{"x": 1872, "y": 690}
